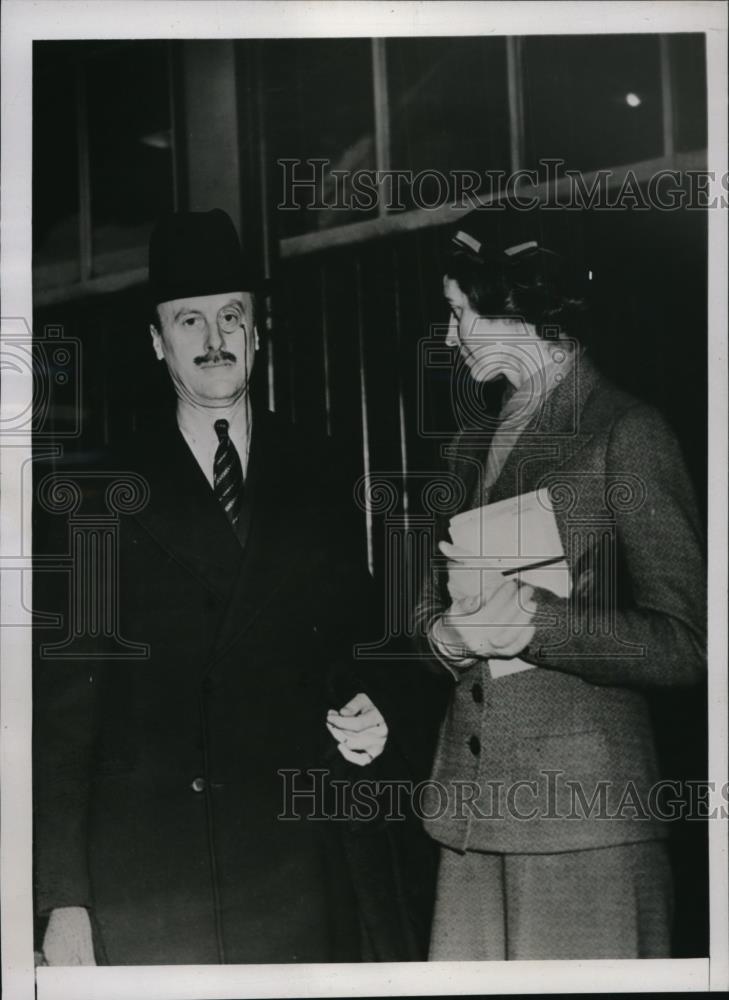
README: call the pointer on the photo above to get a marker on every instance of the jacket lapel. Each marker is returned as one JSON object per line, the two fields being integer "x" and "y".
{"x": 182, "y": 514}
{"x": 553, "y": 437}
{"x": 273, "y": 538}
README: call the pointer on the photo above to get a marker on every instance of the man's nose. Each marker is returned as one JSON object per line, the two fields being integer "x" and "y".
{"x": 452, "y": 339}
{"x": 214, "y": 339}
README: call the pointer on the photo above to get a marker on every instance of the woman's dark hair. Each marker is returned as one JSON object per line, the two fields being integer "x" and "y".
{"x": 529, "y": 285}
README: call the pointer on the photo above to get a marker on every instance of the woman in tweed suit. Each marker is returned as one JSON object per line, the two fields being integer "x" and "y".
{"x": 547, "y": 814}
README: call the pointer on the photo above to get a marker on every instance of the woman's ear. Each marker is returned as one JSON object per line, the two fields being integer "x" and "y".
{"x": 256, "y": 338}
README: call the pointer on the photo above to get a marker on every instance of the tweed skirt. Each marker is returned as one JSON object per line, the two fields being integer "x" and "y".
{"x": 609, "y": 902}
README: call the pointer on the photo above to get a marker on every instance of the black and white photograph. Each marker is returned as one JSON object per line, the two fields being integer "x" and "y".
{"x": 363, "y": 452}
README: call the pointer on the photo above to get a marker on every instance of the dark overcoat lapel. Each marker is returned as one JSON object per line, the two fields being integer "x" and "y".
{"x": 271, "y": 542}
{"x": 182, "y": 514}
{"x": 244, "y": 568}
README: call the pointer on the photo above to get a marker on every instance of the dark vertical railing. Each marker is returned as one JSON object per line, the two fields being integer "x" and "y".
{"x": 381, "y": 115}
{"x": 395, "y": 263}
{"x": 325, "y": 350}
{"x": 174, "y": 128}
{"x": 269, "y": 245}
{"x": 84, "y": 177}
{"x": 366, "y": 468}
{"x": 291, "y": 356}
{"x": 667, "y": 111}
{"x": 515, "y": 92}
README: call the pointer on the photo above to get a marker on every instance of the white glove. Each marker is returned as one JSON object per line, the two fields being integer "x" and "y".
{"x": 359, "y": 729}
{"x": 500, "y": 628}
{"x": 68, "y": 939}
{"x": 470, "y": 577}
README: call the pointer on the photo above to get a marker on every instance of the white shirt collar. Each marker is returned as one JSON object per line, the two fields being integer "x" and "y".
{"x": 197, "y": 426}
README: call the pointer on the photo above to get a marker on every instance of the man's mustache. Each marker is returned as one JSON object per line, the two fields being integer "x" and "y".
{"x": 215, "y": 357}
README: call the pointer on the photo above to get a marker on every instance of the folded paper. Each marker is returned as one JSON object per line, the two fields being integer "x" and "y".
{"x": 516, "y": 537}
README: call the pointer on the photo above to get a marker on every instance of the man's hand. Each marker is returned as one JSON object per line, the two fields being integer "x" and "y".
{"x": 498, "y": 627}
{"x": 68, "y": 937}
{"x": 359, "y": 729}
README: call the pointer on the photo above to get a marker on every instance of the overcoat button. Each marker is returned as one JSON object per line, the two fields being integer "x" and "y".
{"x": 198, "y": 785}
{"x": 477, "y": 692}
{"x": 474, "y": 745}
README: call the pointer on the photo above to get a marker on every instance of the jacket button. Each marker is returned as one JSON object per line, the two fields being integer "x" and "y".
{"x": 474, "y": 745}
{"x": 198, "y": 785}
{"x": 477, "y": 692}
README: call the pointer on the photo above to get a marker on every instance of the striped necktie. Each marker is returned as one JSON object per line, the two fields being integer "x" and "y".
{"x": 227, "y": 474}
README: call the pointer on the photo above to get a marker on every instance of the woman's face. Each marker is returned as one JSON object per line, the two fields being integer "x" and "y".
{"x": 490, "y": 346}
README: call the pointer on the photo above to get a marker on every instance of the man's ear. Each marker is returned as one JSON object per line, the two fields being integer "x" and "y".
{"x": 157, "y": 342}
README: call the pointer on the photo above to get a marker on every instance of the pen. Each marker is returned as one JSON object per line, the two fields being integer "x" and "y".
{"x": 536, "y": 565}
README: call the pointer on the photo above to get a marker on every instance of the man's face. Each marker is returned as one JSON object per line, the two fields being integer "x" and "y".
{"x": 208, "y": 343}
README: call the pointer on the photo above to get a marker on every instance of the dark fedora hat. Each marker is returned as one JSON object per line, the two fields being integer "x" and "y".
{"x": 197, "y": 253}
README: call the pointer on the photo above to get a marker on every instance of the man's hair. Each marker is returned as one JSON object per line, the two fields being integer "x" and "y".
{"x": 529, "y": 287}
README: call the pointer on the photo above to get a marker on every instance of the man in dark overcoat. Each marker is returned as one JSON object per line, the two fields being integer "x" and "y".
{"x": 158, "y": 781}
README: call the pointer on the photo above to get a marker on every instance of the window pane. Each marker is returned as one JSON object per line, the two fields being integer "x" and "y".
{"x": 320, "y": 106}
{"x": 593, "y": 101}
{"x": 55, "y": 163}
{"x": 688, "y": 75}
{"x": 449, "y": 110}
{"x": 127, "y": 95}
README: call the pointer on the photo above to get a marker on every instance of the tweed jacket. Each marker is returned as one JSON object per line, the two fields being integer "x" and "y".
{"x": 561, "y": 757}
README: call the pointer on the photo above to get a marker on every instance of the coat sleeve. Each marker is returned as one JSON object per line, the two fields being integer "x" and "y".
{"x": 64, "y": 695}
{"x": 643, "y": 622}
{"x": 410, "y": 699}
{"x": 64, "y": 722}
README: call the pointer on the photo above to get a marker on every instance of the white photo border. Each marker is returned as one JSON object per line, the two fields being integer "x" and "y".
{"x": 22, "y": 22}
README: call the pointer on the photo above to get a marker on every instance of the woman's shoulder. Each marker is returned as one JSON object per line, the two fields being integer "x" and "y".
{"x": 607, "y": 404}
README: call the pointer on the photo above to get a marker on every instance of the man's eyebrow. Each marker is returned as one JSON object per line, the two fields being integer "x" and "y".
{"x": 186, "y": 309}
{"x": 189, "y": 310}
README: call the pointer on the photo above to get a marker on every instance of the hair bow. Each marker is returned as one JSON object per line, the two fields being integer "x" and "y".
{"x": 520, "y": 257}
